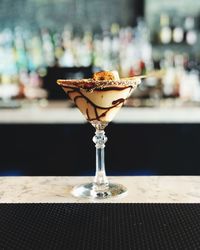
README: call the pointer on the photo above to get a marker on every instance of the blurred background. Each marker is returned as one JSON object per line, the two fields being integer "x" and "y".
{"x": 158, "y": 130}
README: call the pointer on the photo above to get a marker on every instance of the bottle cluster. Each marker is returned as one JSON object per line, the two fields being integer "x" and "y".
{"x": 176, "y": 29}
{"x": 26, "y": 55}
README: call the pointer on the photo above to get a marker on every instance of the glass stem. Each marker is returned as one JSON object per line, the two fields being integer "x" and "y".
{"x": 100, "y": 179}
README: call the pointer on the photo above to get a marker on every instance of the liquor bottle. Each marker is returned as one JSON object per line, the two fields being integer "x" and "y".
{"x": 67, "y": 59}
{"x": 178, "y": 31}
{"x": 165, "y": 33}
{"x": 190, "y": 32}
{"x": 21, "y": 53}
{"x": 48, "y": 48}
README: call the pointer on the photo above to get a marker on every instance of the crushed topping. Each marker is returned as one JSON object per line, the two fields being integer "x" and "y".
{"x": 106, "y": 75}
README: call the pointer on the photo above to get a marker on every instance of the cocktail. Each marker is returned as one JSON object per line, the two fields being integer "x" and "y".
{"x": 99, "y": 99}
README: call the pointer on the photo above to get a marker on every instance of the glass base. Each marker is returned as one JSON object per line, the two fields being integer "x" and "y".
{"x": 89, "y": 190}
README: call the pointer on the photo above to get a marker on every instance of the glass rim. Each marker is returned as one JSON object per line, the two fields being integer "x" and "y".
{"x": 91, "y": 83}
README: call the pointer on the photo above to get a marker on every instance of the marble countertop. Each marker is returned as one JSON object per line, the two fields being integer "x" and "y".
{"x": 61, "y": 113}
{"x": 141, "y": 189}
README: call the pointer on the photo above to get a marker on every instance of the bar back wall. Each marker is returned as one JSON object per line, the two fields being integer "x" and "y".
{"x": 81, "y": 14}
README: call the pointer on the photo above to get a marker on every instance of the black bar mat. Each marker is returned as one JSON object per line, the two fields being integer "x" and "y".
{"x": 99, "y": 226}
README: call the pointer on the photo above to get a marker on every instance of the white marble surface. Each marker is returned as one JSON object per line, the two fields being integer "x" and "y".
{"x": 59, "y": 112}
{"x": 148, "y": 189}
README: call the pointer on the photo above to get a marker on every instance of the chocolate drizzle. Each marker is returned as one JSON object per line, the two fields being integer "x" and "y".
{"x": 116, "y": 103}
{"x": 121, "y": 100}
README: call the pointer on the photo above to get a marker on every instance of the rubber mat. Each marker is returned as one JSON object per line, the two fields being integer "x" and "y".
{"x": 99, "y": 226}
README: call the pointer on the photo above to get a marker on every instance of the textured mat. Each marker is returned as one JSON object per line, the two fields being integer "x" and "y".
{"x": 99, "y": 226}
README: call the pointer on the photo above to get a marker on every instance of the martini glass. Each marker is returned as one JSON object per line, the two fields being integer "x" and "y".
{"x": 99, "y": 101}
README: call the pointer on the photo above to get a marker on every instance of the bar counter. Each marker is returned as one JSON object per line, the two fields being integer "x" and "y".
{"x": 60, "y": 112}
{"x": 141, "y": 189}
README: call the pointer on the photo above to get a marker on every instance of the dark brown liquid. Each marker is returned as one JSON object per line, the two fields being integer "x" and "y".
{"x": 115, "y": 103}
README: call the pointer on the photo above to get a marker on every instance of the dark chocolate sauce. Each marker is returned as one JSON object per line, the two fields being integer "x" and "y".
{"x": 88, "y": 116}
{"x": 81, "y": 95}
{"x": 121, "y": 100}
